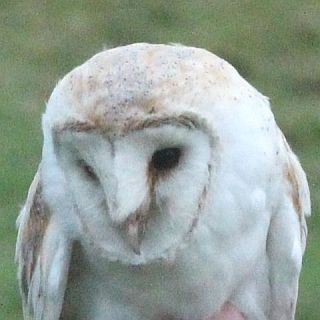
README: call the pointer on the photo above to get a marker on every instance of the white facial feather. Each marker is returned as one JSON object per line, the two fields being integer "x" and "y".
{"x": 165, "y": 190}
{"x": 124, "y": 185}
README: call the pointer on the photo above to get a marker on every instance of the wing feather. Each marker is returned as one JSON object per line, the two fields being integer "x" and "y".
{"x": 42, "y": 255}
{"x": 287, "y": 234}
{"x": 298, "y": 189}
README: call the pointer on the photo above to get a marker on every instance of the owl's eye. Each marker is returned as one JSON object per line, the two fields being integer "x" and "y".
{"x": 166, "y": 158}
{"x": 88, "y": 170}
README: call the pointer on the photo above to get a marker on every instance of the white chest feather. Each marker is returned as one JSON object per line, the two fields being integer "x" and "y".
{"x": 192, "y": 285}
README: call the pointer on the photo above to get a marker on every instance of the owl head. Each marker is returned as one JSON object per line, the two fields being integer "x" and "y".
{"x": 132, "y": 143}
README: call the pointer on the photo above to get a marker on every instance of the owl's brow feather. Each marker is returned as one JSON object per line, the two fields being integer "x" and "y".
{"x": 187, "y": 120}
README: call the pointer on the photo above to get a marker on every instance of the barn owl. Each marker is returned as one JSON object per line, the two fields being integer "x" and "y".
{"x": 165, "y": 191}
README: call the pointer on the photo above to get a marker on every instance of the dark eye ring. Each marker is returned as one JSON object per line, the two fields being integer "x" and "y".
{"x": 88, "y": 170}
{"x": 165, "y": 159}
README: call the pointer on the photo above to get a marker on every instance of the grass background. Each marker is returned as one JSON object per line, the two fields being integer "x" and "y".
{"x": 274, "y": 44}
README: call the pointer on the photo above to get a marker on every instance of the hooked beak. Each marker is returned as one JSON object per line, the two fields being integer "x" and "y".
{"x": 135, "y": 229}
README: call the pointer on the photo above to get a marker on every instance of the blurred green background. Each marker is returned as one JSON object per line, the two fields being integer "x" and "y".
{"x": 274, "y": 44}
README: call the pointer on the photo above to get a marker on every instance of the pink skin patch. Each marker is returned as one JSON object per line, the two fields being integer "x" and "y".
{"x": 228, "y": 312}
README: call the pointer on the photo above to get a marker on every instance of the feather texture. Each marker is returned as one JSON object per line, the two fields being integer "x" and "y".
{"x": 42, "y": 255}
{"x": 166, "y": 191}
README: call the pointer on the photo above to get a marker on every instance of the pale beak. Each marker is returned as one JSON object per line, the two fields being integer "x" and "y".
{"x": 135, "y": 229}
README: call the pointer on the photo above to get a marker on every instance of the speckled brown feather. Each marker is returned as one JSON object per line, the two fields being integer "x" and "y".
{"x": 298, "y": 189}
{"x": 296, "y": 178}
{"x": 32, "y": 226}
{"x": 119, "y": 85}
